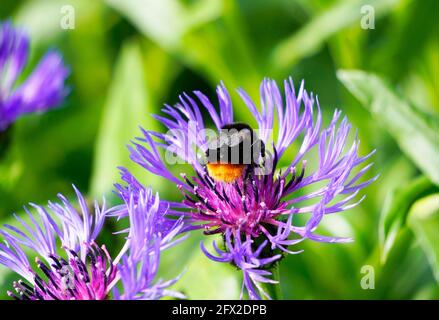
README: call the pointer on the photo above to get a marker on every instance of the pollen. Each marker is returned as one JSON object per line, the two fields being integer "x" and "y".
{"x": 225, "y": 172}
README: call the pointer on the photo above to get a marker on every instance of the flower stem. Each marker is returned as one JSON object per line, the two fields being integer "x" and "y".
{"x": 273, "y": 289}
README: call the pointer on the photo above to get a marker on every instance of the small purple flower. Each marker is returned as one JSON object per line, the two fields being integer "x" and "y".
{"x": 42, "y": 90}
{"x": 70, "y": 265}
{"x": 254, "y": 213}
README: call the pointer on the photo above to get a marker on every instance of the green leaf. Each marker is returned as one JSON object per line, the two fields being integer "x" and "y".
{"x": 42, "y": 18}
{"x": 395, "y": 211}
{"x": 189, "y": 32}
{"x": 208, "y": 280}
{"x": 126, "y": 109}
{"x": 7, "y": 277}
{"x": 313, "y": 35}
{"x": 416, "y": 132}
{"x": 167, "y": 21}
{"x": 424, "y": 220}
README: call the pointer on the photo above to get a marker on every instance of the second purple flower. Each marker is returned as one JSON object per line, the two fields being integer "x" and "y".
{"x": 43, "y": 89}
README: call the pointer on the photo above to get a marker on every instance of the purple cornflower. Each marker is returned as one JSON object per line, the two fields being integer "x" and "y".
{"x": 44, "y": 87}
{"x": 254, "y": 213}
{"x": 69, "y": 262}
{"x": 149, "y": 234}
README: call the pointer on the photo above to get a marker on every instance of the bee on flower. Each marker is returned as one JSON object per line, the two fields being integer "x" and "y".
{"x": 238, "y": 187}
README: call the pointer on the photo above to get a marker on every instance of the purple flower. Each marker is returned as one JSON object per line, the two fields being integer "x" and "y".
{"x": 149, "y": 234}
{"x": 69, "y": 262}
{"x": 254, "y": 212}
{"x": 44, "y": 87}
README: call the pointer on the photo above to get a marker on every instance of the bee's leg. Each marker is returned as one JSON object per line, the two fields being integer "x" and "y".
{"x": 262, "y": 149}
{"x": 247, "y": 177}
{"x": 263, "y": 154}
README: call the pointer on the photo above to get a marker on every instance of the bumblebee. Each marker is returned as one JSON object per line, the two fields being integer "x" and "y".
{"x": 234, "y": 153}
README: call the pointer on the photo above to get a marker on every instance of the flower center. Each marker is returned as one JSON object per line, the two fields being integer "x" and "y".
{"x": 246, "y": 204}
{"x": 70, "y": 279}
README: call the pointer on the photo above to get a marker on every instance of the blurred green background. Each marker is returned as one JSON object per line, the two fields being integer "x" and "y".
{"x": 128, "y": 57}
